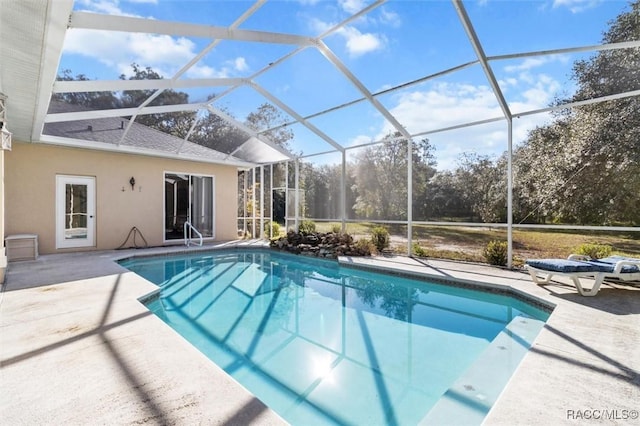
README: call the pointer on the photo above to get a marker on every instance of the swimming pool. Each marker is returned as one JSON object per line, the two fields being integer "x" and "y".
{"x": 321, "y": 343}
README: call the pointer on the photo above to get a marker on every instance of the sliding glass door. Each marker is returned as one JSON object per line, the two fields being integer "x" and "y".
{"x": 188, "y": 198}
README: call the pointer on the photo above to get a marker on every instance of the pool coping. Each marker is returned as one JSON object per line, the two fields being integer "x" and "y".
{"x": 502, "y": 289}
{"x": 354, "y": 263}
{"x": 586, "y": 357}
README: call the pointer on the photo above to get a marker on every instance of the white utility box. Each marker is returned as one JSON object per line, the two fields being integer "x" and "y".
{"x": 21, "y": 247}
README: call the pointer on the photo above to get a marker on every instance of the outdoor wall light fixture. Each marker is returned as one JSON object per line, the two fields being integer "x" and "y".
{"x": 132, "y": 182}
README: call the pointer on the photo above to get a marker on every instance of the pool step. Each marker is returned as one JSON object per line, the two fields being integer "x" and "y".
{"x": 474, "y": 393}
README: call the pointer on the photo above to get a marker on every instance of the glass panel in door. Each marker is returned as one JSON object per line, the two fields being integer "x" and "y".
{"x": 76, "y": 215}
{"x": 176, "y": 205}
{"x": 75, "y": 210}
{"x": 202, "y": 204}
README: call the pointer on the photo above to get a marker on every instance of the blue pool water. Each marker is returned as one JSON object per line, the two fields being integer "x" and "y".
{"x": 323, "y": 344}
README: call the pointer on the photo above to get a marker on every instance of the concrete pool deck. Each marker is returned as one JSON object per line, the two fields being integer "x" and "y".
{"x": 76, "y": 347}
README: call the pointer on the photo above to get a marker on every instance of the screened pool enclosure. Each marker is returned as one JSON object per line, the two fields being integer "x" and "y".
{"x": 413, "y": 115}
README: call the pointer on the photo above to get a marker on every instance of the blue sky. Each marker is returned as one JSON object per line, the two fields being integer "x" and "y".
{"x": 397, "y": 42}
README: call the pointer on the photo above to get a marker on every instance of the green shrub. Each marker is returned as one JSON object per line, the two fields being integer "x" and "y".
{"x": 275, "y": 229}
{"x": 594, "y": 251}
{"x": 246, "y": 232}
{"x": 419, "y": 251}
{"x": 365, "y": 247}
{"x": 307, "y": 227}
{"x": 496, "y": 253}
{"x": 336, "y": 228}
{"x": 380, "y": 237}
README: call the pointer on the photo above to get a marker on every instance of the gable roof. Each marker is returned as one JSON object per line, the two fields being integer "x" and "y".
{"x": 110, "y": 133}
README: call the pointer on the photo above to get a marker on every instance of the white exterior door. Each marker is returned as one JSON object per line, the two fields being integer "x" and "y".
{"x": 75, "y": 211}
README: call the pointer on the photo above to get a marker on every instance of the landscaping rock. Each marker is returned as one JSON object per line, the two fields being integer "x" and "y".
{"x": 329, "y": 245}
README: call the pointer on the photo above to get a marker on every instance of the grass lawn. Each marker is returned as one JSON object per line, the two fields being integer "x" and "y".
{"x": 468, "y": 243}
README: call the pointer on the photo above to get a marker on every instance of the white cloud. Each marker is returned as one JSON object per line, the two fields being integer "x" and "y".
{"x": 535, "y": 88}
{"x": 352, "y": 6}
{"x": 232, "y": 67}
{"x": 511, "y": 81}
{"x": 105, "y": 7}
{"x": 319, "y": 26}
{"x": 160, "y": 49}
{"x": 164, "y": 54}
{"x": 204, "y": 71}
{"x": 390, "y": 18}
{"x": 527, "y": 64}
{"x": 110, "y": 7}
{"x": 358, "y": 43}
{"x": 161, "y": 52}
{"x": 576, "y": 6}
{"x": 240, "y": 64}
{"x": 530, "y": 63}
{"x": 359, "y": 140}
{"x": 448, "y": 104}
{"x": 541, "y": 93}
{"x": 444, "y": 105}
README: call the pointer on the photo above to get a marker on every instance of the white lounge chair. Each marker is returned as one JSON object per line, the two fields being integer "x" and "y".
{"x": 578, "y": 266}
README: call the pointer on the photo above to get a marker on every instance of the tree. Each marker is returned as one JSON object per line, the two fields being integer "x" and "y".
{"x": 543, "y": 174}
{"x": 173, "y": 123}
{"x": 482, "y": 187}
{"x": 323, "y": 192}
{"x": 584, "y": 167}
{"x": 612, "y": 71}
{"x": 216, "y": 133}
{"x": 380, "y": 173}
{"x": 423, "y": 169}
{"x": 444, "y": 201}
{"x": 267, "y": 117}
{"x": 91, "y": 100}
{"x": 610, "y": 131}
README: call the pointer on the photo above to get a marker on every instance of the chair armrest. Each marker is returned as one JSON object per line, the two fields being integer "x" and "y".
{"x": 619, "y": 264}
{"x": 578, "y": 257}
